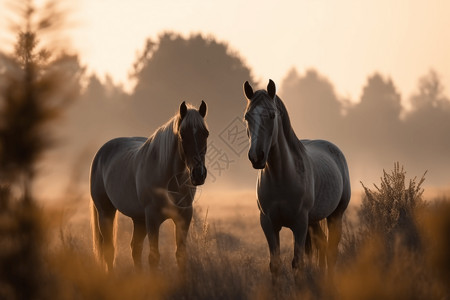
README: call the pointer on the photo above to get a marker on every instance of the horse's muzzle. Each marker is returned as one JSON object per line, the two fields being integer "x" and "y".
{"x": 258, "y": 165}
{"x": 198, "y": 175}
{"x": 257, "y": 159}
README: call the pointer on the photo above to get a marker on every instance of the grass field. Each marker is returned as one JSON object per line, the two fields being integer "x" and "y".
{"x": 228, "y": 255}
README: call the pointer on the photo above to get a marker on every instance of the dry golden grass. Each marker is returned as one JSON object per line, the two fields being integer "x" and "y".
{"x": 228, "y": 259}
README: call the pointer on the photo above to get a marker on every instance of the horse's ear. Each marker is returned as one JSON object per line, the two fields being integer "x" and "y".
{"x": 271, "y": 89}
{"x": 248, "y": 91}
{"x": 183, "y": 109}
{"x": 202, "y": 109}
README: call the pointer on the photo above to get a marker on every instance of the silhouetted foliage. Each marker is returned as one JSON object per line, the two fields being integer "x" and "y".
{"x": 390, "y": 209}
{"x": 36, "y": 85}
{"x": 398, "y": 247}
{"x": 21, "y": 239}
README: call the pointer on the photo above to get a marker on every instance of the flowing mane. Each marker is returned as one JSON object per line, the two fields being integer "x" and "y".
{"x": 163, "y": 140}
{"x": 288, "y": 131}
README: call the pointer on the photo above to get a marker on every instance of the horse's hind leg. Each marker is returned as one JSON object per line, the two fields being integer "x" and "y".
{"x": 334, "y": 236}
{"x": 139, "y": 233}
{"x": 320, "y": 241}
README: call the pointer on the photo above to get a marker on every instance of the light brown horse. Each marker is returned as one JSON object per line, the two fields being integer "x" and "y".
{"x": 149, "y": 180}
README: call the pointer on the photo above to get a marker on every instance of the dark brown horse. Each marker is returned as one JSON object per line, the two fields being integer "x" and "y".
{"x": 300, "y": 182}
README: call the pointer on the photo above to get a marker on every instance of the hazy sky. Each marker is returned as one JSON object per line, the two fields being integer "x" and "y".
{"x": 344, "y": 40}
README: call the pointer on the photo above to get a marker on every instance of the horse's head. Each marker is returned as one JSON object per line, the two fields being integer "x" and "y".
{"x": 193, "y": 134}
{"x": 261, "y": 117}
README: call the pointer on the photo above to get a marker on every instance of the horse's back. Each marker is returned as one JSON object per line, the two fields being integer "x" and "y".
{"x": 115, "y": 151}
{"x": 112, "y": 172}
{"x": 331, "y": 177}
{"x": 321, "y": 150}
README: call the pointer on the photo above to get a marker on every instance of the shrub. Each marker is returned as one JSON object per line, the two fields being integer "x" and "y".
{"x": 389, "y": 210}
{"x": 400, "y": 250}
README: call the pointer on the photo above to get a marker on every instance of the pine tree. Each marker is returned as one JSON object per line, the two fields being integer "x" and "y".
{"x": 36, "y": 83}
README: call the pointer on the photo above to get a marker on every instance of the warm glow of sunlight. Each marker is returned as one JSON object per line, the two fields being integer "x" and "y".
{"x": 193, "y": 149}
{"x": 345, "y": 40}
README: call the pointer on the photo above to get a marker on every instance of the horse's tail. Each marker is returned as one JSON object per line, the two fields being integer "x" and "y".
{"x": 316, "y": 240}
{"x": 97, "y": 240}
{"x": 104, "y": 236}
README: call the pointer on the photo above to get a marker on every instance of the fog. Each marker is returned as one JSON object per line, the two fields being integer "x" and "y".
{"x": 373, "y": 131}
{"x": 377, "y": 130}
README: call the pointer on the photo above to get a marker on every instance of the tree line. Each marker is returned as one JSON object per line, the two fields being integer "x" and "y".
{"x": 374, "y": 131}
{"x": 378, "y": 129}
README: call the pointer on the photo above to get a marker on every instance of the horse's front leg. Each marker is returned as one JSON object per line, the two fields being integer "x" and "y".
{"x": 153, "y": 221}
{"x": 272, "y": 233}
{"x": 139, "y": 232}
{"x": 300, "y": 230}
{"x": 182, "y": 227}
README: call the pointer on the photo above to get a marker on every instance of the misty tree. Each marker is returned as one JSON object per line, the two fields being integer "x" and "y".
{"x": 430, "y": 93}
{"x": 37, "y": 83}
{"x": 430, "y": 110}
{"x": 374, "y": 125}
{"x": 380, "y": 103}
{"x": 174, "y": 69}
{"x": 95, "y": 89}
{"x": 101, "y": 97}
{"x": 315, "y": 108}
{"x": 428, "y": 124}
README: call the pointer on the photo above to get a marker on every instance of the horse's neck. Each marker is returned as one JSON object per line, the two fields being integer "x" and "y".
{"x": 286, "y": 154}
